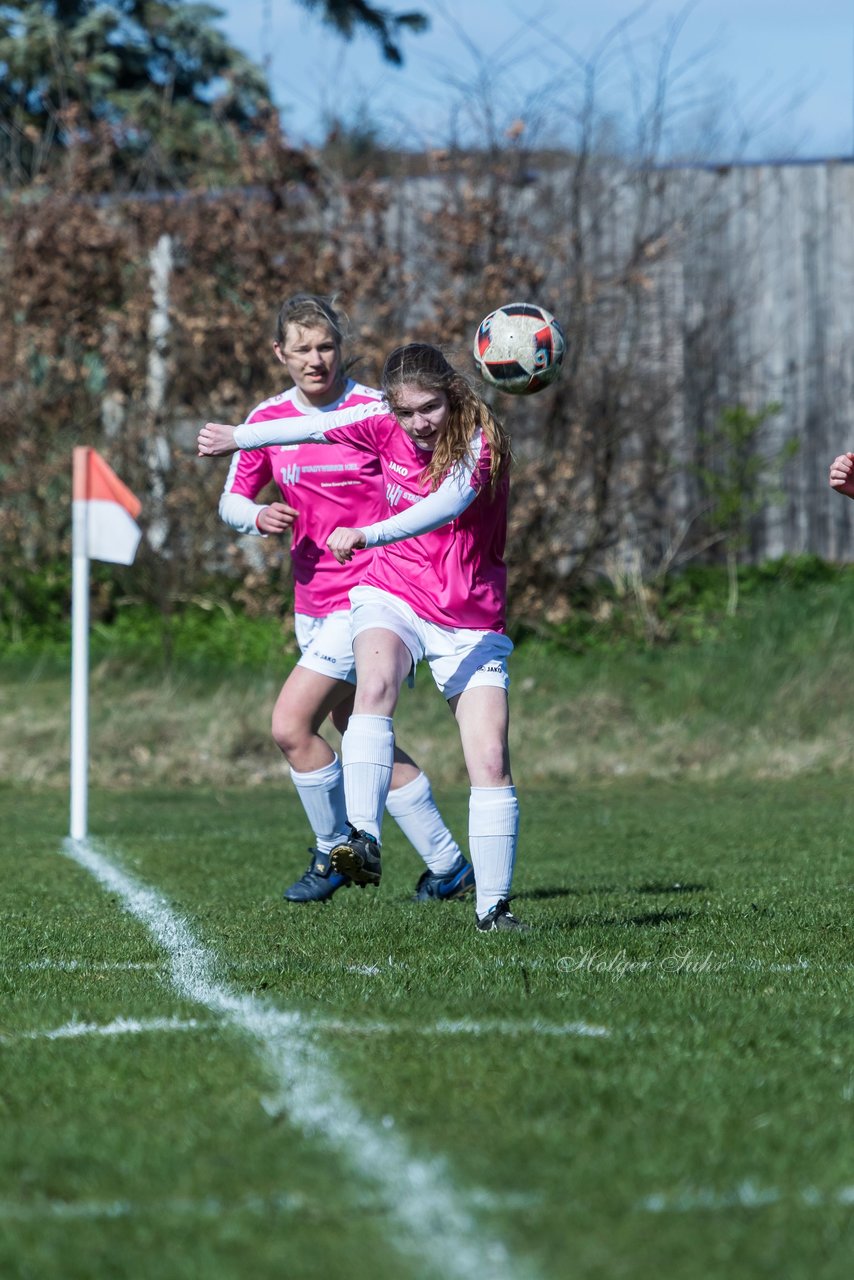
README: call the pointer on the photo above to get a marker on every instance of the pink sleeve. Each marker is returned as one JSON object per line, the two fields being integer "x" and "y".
{"x": 249, "y": 473}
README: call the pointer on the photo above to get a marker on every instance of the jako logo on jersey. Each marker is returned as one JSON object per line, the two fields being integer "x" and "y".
{"x": 290, "y": 475}
{"x": 393, "y": 492}
{"x": 401, "y": 471}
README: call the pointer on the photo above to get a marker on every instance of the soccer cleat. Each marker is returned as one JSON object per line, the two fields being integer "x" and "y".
{"x": 452, "y": 884}
{"x": 319, "y": 882}
{"x": 358, "y": 858}
{"x": 500, "y": 917}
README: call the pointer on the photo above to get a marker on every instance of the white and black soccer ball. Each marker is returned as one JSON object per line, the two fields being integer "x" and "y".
{"x": 519, "y": 348}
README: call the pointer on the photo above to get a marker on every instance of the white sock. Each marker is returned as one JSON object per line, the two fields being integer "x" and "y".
{"x": 322, "y": 796}
{"x": 493, "y": 831}
{"x": 367, "y": 749}
{"x": 414, "y": 810}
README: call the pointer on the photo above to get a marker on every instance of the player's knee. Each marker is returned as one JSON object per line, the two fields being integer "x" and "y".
{"x": 289, "y": 733}
{"x": 490, "y": 767}
{"x": 376, "y": 693}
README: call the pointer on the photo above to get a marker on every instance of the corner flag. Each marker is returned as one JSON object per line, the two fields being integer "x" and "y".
{"x": 103, "y": 527}
{"x": 105, "y": 508}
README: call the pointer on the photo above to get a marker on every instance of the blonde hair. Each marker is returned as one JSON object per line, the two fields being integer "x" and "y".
{"x": 309, "y": 311}
{"x": 418, "y": 364}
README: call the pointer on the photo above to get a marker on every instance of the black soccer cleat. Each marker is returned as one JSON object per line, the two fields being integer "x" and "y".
{"x": 453, "y": 884}
{"x": 357, "y": 858}
{"x": 319, "y": 882}
{"x": 500, "y": 917}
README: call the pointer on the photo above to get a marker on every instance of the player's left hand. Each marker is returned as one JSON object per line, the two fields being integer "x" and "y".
{"x": 216, "y": 439}
{"x": 343, "y": 542}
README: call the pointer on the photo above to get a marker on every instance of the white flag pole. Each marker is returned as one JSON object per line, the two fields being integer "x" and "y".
{"x": 103, "y": 526}
{"x": 79, "y": 657}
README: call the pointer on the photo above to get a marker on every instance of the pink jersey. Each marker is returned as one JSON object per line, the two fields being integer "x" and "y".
{"x": 329, "y": 485}
{"x": 454, "y": 575}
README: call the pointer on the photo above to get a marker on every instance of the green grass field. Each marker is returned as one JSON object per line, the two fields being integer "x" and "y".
{"x": 199, "y": 1081}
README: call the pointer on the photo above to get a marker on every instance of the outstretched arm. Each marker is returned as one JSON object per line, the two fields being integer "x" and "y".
{"x": 842, "y": 474}
{"x": 216, "y": 439}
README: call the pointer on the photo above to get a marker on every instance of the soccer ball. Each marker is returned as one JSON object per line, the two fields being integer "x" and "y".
{"x": 519, "y": 348}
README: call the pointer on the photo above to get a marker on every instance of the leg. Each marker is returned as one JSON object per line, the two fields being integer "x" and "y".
{"x": 483, "y": 717}
{"x": 482, "y": 714}
{"x": 448, "y": 874}
{"x": 306, "y": 698}
{"x": 382, "y": 664}
{"x": 410, "y": 802}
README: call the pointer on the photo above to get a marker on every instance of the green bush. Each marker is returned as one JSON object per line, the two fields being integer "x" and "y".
{"x": 215, "y": 629}
{"x": 688, "y": 607}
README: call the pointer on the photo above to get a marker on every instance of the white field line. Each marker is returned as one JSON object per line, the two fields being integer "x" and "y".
{"x": 277, "y": 1202}
{"x": 207, "y": 1207}
{"x": 118, "y": 1027}
{"x": 86, "y": 966}
{"x": 744, "y": 1196}
{"x": 138, "y": 1026}
{"x": 698, "y": 1200}
{"x": 430, "y": 1221}
{"x": 462, "y": 1027}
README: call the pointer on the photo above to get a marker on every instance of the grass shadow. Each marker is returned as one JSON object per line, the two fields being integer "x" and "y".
{"x": 675, "y": 887}
{"x": 550, "y": 891}
{"x": 648, "y": 919}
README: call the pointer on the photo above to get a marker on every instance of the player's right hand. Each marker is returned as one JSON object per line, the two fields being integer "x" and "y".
{"x": 276, "y": 518}
{"x": 842, "y": 474}
{"x": 216, "y": 439}
{"x": 342, "y": 542}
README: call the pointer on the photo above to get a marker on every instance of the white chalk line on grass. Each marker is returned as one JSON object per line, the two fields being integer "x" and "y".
{"x": 746, "y": 1195}
{"x": 139, "y": 1026}
{"x": 86, "y": 966}
{"x": 118, "y": 1027}
{"x": 463, "y": 1027}
{"x": 432, "y": 1223}
{"x": 203, "y": 1207}
{"x": 261, "y": 1205}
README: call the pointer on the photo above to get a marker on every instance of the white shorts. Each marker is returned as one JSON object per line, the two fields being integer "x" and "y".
{"x": 326, "y": 645}
{"x": 459, "y": 658}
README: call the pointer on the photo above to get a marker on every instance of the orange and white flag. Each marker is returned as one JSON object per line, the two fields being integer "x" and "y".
{"x": 110, "y": 509}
